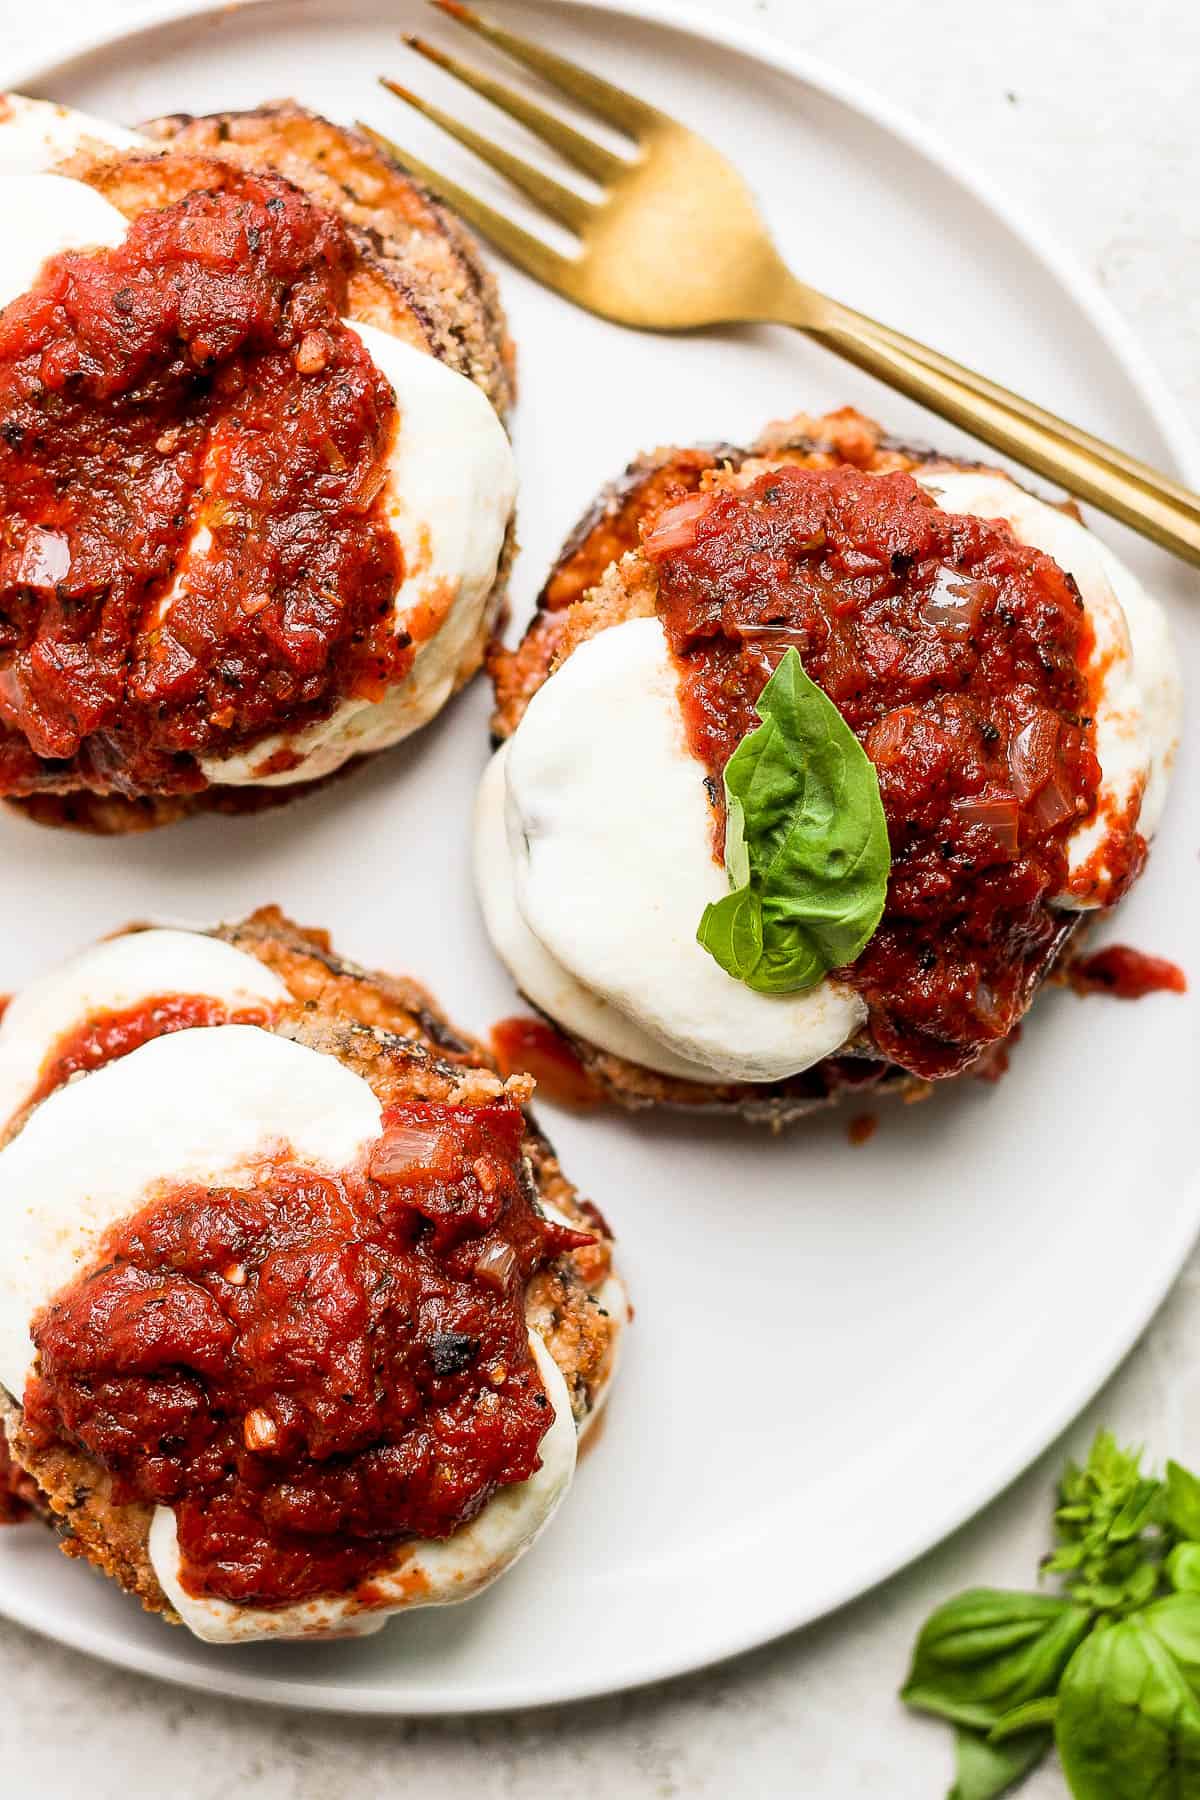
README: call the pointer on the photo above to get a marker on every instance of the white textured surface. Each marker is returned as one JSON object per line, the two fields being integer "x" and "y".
{"x": 1089, "y": 119}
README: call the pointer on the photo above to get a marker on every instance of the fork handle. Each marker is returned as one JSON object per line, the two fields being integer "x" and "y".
{"x": 1153, "y": 480}
{"x": 1140, "y": 501}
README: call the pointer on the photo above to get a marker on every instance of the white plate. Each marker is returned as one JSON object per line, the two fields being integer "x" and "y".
{"x": 839, "y": 1354}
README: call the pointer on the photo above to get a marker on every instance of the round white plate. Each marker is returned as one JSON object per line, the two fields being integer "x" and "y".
{"x": 839, "y": 1353}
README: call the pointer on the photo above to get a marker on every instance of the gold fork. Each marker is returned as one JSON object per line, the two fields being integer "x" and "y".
{"x": 675, "y": 242}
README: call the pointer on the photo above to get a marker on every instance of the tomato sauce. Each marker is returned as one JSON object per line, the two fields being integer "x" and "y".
{"x": 107, "y": 1036}
{"x": 17, "y": 1489}
{"x": 529, "y": 1046}
{"x": 315, "y": 1368}
{"x": 193, "y": 385}
{"x": 956, "y": 655}
{"x": 1126, "y": 974}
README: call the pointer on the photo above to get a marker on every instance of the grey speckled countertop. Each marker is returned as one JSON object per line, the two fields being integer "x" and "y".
{"x": 1085, "y": 110}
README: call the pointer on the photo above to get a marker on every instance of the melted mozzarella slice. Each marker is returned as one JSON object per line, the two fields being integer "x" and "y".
{"x": 45, "y": 215}
{"x": 609, "y": 828}
{"x": 451, "y": 482}
{"x": 198, "y": 1106}
{"x": 541, "y": 977}
{"x": 36, "y": 134}
{"x": 426, "y": 1572}
{"x": 112, "y": 977}
{"x": 1138, "y": 702}
{"x": 450, "y": 493}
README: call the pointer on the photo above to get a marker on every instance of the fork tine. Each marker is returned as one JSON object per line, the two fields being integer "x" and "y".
{"x": 579, "y": 150}
{"x": 528, "y": 252}
{"x": 561, "y": 202}
{"x": 624, "y": 110}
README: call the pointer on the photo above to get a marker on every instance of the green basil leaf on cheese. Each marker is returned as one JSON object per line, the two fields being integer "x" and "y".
{"x": 806, "y": 843}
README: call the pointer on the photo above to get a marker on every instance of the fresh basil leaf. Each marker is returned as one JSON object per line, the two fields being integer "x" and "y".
{"x": 1183, "y": 1568}
{"x": 1175, "y": 1622}
{"x": 732, "y": 931}
{"x": 1104, "y": 1483}
{"x": 1128, "y": 1725}
{"x": 1133, "y": 1590}
{"x": 988, "y": 1651}
{"x": 1110, "y": 1522}
{"x": 1183, "y": 1501}
{"x": 806, "y": 843}
{"x": 1024, "y": 1718}
{"x": 984, "y": 1771}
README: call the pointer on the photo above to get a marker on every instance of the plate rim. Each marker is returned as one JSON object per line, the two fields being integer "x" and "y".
{"x": 1156, "y": 395}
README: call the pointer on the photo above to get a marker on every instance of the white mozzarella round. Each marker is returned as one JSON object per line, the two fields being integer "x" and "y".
{"x": 426, "y": 1572}
{"x": 197, "y": 1106}
{"x": 541, "y": 977}
{"x": 1138, "y": 704}
{"x": 45, "y": 215}
{"x": 36, "y": 134}
{"x": 610, "y": 831}
{"x": 112, "y": 977}
{"x": 451, "y": 480}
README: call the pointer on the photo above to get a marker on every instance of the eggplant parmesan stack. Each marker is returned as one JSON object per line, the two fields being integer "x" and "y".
{"x": 810, "y": 763}
{"x": 300, "y": 1321}
{"x": 256, "y": 485}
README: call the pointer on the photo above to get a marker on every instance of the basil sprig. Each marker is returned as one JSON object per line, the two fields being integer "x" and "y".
{"x": 1108, "y": 1669}
{"x": 806, "y": 843}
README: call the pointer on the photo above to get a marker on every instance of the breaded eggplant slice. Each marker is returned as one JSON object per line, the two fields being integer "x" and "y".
{"x": 586, "y": 592}
{"x": 389, "y": 1031}
{"x": 420, "y": 277}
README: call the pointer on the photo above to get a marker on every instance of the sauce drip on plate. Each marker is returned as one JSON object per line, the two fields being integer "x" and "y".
{"x": 531, "y": 1046}
{"x": 1126, "y": 974}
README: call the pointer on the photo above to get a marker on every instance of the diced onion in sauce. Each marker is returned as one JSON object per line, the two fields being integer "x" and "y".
{"x": 408, "y": 1151}
{"x": 1054, "y": 805}
{"x": 887, "y": 737}
{"x": 45, "y": 558}
{"x": 676, "y": 530}
{"x": 987, "y": 1006}
{"x": 954, "y": 603}
{"x": 496, "y": 1265}
{"x": 1031, "y": 754}
{"x": 994, "y": 819}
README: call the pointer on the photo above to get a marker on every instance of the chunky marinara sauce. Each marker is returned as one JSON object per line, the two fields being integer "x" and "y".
{"x": 957, "y": 656}
{"x": 192, "y": 387}
{"x": 314, "y": 1368}
{"x": 109, "y": 1035}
